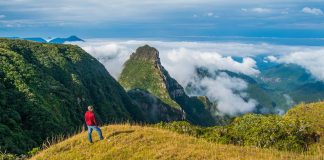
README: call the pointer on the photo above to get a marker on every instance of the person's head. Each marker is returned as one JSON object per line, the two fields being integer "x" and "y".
{"x": 90, "y": 108}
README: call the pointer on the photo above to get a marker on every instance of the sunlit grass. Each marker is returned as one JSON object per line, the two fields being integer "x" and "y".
{"x": 143, "y": 142}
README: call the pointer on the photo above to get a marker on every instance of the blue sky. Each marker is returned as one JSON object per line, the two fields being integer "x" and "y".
{"x": 168, "y": 19}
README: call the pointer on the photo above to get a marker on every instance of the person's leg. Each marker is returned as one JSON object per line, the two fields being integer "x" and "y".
{"x": 99, "y": 132}
{"x": 90, "y": 133}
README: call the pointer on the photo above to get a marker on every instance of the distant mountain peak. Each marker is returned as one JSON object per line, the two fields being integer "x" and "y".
{"x": 146, "y": 52}
{"x": 69, "y": 39}
{"x": 74, "y": 38}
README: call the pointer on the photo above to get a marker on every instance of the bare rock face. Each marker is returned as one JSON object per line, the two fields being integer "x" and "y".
{"x": 146, "y": 53}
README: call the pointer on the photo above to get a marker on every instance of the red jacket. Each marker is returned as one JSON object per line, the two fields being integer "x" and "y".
{"x": 90, "y": 119}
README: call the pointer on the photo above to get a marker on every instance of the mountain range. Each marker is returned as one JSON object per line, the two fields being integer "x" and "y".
{"x": 55, "y": 40}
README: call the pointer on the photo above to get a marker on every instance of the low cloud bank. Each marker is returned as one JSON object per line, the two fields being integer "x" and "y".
{"x": 182, "y": 63}
{"x": 228, "y": 92}
{"x": 182, "y": 58}
{"x": 312, "y": 61}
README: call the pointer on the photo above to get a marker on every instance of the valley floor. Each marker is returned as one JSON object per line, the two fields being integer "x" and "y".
{"x": 142, "y": 142}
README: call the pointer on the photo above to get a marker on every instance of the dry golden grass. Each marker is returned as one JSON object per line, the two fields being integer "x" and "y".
{"x": 142, "y": 142}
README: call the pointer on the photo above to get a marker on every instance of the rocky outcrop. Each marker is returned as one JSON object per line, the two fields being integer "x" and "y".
{"x": 144, "y": 71}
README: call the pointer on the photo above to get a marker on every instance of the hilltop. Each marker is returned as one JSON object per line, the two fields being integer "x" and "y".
{"x": 140, "y": 142}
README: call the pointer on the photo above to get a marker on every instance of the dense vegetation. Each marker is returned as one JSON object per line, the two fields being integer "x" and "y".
{"x": 265, "y": 131}
{"x": 153, "y": 109}
{"x": 44, "y": 91}
{"x": 312, "y": 113}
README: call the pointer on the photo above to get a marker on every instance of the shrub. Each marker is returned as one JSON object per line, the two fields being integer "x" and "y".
{"x": 34, "y": 151}
{"x": 4, "y": 156}
{"x": 182, "y": 127}
{"x": 271, "y": 131}
{"x": 264, "y": 131}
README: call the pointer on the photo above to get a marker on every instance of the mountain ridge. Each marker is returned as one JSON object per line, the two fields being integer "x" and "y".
{"x": 45, "y": 89}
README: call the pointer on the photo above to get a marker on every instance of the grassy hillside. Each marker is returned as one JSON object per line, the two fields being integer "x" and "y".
{"x": 137, "y": 142}
{"x": 145, "y": 142}
{"x": 44, "y": 91}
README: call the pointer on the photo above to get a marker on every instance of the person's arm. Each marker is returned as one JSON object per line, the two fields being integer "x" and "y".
{"x": 94, "y": 120}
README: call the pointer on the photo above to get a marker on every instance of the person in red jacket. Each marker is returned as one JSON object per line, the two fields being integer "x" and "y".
{"x": 91, "y": 122}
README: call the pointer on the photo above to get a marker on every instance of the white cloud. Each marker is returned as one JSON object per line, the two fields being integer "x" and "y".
{"x": 257, "y": 10}
{"x": 289, "y": 100}
{"x": 244, "y": 9}
{"x": 310, "y": 60}
{"x": 228, "y": 92}
{"x": 314, "y": 11}
{"x": 112, "y": 55}
{"x": 211, "y": 14}
{"x": 182, "y": 63}
{"x": 261, "y": 10}
{"x": 2, "y": 16}
{"x": 78, "y": 10}
{"x": 272, "y": 58}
